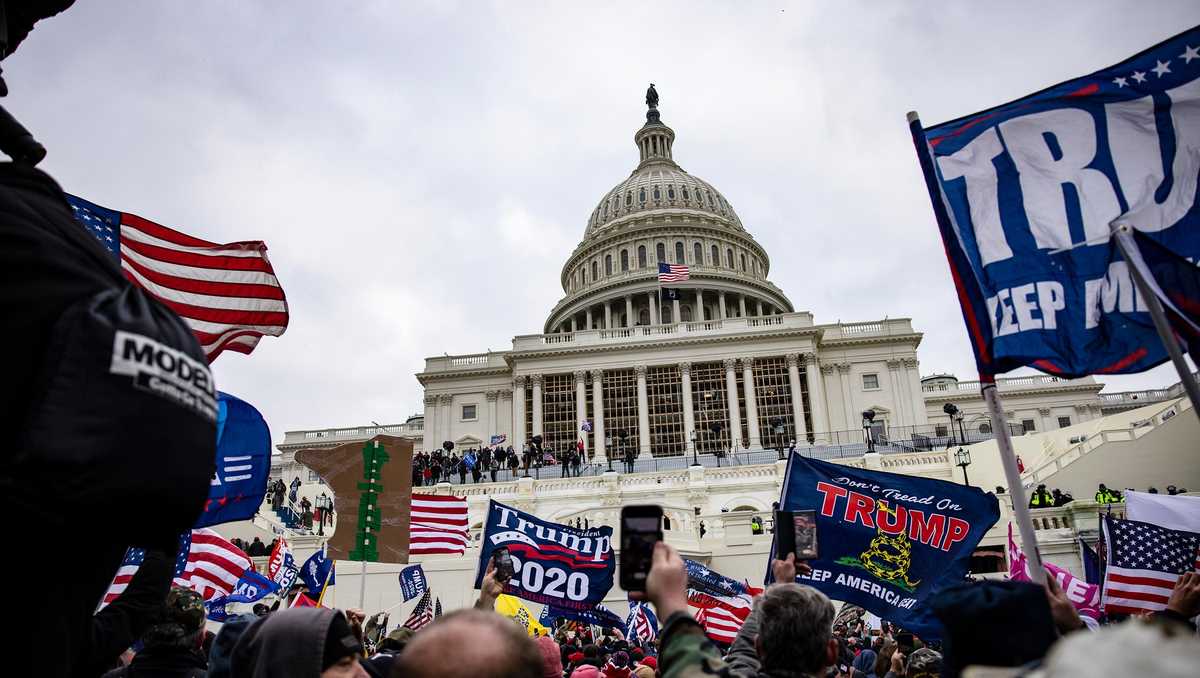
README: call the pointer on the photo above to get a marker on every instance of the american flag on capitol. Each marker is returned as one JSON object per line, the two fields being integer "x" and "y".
{"x": 672, "y": 272}
{"x": 438, "y": 524}
{"x": 205, "y": 562}
{"x": 228, "y": 294}
{"x": 1144, "y": 562}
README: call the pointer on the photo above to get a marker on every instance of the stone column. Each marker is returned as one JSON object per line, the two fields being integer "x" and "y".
{"x": 699, "y": 314}
{"x": 492, "y": 397}
{"x": 675, "y": 317}
{"x": 654, "y": 317}
{"x": 643, "y": 413}
{"x": 598, "y": 415}
{"x": 1044, "y": 417}
{"x": 899, "y": 392}
{"x": 589, "y": 318}
{"x": 751, "y": 403}
{"x": 731, "y": 395}
{"x": 446, "y": 416}
{"x": 607, "y": 315}
{"x": 816, "y": 397}
{"x": 793, "y": 365}
{"x": 852, "y": 419}
{"x": 431, "y": 431}
{"x": 760, "y": 308}
{"x": 580, "y": 406}
{"x": 742, "y": 305}
{"x": 689, "y": 415}
{"x": 629, "y": 319}
{"x": 506, "y": 396}
{"x": 721, "y": 305}
{"x": 916, "y": 400}
{"x": 517, "y": 440}
{"x": 536, "y": 380}
{"x": 574, "y": 325}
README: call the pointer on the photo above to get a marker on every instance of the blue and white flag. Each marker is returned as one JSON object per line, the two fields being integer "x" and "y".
{"x": 214, "y": 609}
{"x": 239, "y": 482}
{"x": 554, "y": 564}
{"x": 1026, "y": 193}
{"x": 887, "y": 542}
{"x": 586, "y": 427}
{"x": 642, "y": 625}
{"x": 317, "y": 572}
{"x": 598, "y": 616}
{"x": 498, "y": 439}
{"x": 412, "y": 582}
{"x": 251, "y": 588}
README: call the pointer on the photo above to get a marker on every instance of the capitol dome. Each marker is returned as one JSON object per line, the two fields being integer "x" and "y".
{"x": 662, "y": 214}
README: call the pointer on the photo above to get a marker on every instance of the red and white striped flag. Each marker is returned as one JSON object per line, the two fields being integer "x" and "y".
{"x": 228, "y": 294}
{"x": 421, "y": 615}
{"x": 719, "y": 624}
{"x": 213, "y": 566}
{"x": 1144, "y": 562}
{"x": 438, "y": 525}
{"x": 672, "y": 272}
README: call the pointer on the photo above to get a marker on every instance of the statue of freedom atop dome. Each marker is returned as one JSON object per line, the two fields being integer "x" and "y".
{"x": 652, "y": 97}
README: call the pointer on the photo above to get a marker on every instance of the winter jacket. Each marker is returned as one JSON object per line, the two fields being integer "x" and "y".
{"x": 163, "y": 663}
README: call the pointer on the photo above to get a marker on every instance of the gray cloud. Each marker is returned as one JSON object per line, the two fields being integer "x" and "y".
{"x": 420, "y": 171}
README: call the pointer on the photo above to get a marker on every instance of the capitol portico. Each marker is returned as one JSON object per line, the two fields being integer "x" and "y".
{"x": 721, "y": 362}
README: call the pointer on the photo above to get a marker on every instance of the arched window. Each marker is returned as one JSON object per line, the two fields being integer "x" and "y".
{"x": 661, "y": 250}
{"x": 583, "y": 274}
{"x": 685, "y": 314}
{"x": 743, "y": 263}
{"x": 710, "y": 199}
{"x": 698, "y": 254}
{"x": 729, "y": 258}
{"x": 657, "y": 194}
{"x": 716, "y": 257}
{"x": 671, "y": 192}
{"x": 644, "y": 316}
{"x": 608, "y": 264}
{"x": 666, "y": 312}
{"x": 595, "y": 270}
{"x": 629, "y": 198}
{"x": 754, "y": 267}
{"x": 624, "y": 260}
{"x": 641, "y": 195}
{"x": 685, "y": 193}
{"x": 641, "y": 256}
{"x": 679, "y": 253}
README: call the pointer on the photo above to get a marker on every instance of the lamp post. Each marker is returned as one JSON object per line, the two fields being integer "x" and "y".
{"x": 608, "y": 446}
{"x": 695, "y": 460}
{"x": 868, "y": 417}
{"x": 951, "y": 410}
{"x": 962, "y": 459}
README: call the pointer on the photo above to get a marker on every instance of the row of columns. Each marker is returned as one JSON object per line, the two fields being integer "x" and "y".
{"x": 749, "y": 395}
{"x": 572, "y": 324}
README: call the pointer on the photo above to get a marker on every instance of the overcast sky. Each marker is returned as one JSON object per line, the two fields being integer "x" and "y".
{"x": 421, "y": 170}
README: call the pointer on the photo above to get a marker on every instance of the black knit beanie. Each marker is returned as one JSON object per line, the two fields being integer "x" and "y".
{"x": 339, "y": 642}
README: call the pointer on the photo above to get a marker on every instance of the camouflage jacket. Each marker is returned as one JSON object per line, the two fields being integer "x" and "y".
{"x": 687, "y": 653}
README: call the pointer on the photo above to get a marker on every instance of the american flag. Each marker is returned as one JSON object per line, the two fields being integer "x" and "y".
{"x": 642, "y": 625}
{"x": 438, "y": 525}
{"x": 672, "y": 272}
{"x": 421, "y": 615}
{"x": 228, "y": 294}
{"x": 205, "y": 562}
{"x": 1144, "y": 562}
{"x": 719, "y": 624}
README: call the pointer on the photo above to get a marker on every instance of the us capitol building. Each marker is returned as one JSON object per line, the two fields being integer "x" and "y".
{"x": 708, "y": 382}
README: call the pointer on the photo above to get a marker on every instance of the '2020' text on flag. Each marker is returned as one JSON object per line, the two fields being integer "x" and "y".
{"x": 1025, "y": 196}
{"x": 228, "y": 294}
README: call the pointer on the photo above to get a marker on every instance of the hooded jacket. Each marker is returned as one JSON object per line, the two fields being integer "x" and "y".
{"x": 285, "y": 644}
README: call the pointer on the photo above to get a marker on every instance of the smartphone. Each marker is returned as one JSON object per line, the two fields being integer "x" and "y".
{"x": 641, "y": 529}
{"x": 796, "y": 532}
{"x": 503, "y": 562}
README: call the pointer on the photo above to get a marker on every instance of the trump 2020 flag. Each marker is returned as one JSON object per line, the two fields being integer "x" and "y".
{"x": 1026, "y": 195}
{"x": 555, "y": 564}
{"x": 887, "y": 542}
{"x": 412, "y": 582}
{"x": 252, "y": 587}
{"x": 239, "y": 481}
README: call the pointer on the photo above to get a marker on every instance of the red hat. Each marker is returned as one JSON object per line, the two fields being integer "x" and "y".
{"x": 575, "y": 657}
{"x": 650, "y": 661}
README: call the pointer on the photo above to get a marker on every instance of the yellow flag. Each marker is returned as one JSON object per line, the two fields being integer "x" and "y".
{"x": 514, "y": 609}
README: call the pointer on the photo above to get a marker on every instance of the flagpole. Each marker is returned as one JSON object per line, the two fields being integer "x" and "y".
{"x": 1137, "y": 266}
{"x": 362, "y": 589}
{"x": 1016, "y": 491}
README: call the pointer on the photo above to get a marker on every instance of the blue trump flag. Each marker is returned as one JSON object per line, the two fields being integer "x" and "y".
{"x": 1026, "y": 194}
{"x": 239, "y": 481}
{"x": 555, "y": 564}
{"x": 317, "y": 572}
{"x": 251, "y": 587}
{"x": 412, "y": 582}
{"x": 599, "y": 616}
{"x": 887, "y": 542}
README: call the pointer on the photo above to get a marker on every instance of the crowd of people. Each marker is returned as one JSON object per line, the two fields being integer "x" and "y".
{"x": 1041, "y": 498}
{"x": 495, "y": 462}
{"x": 791, "y": 631}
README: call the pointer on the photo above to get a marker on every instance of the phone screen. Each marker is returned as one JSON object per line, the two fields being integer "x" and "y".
{"x": 641, "y": 528}
{"x": 805, "y": 529}
{"x": 504, "y": 564}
